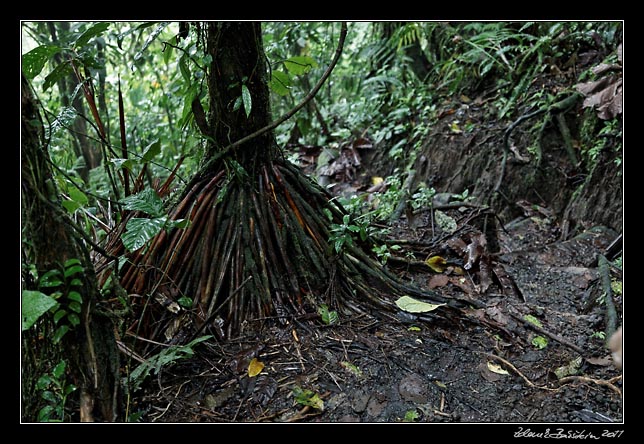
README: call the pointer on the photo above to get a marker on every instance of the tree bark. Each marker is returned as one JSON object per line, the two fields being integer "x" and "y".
{"x": 89, "y": 348}
{"x": 238, "y": 61}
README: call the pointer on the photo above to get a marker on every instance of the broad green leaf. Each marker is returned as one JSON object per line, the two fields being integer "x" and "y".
{"x": 59, "y": 370}
{"x": 59, "y": 315}
{"x": 73, "y": 261}
{"x": 34, "y": 61}
{"x": 74, "y": 269}
{"x": 147, "y": 201}
{"x": 255, "y": 367}
{"x": 247, "y": 99}
{"x": 75, "y": 296}
{"x": 45, "y": 413}
{"x": 62, "y": 70}
{"x": 160, "y": 27}
{"x": 185, "y": 71}
{"x": 75, "y": 306}
{"x": 140, "y": 230}
{"x": 34, "y": 305}
{"x": 43, "y": 382}
{"x": 59, "y": 333}
{"x": 280, "y": 83}
{"x": 77, "y": 196}
{"x": 73, "y": 319}
{"x": 151, "y": 151}
{"x": 168, "y": 50}
{"x": 49, "y": 396}
{"x": 71, "y": 206}
{"x": 50, "y": 279}
{"x": 300, "y": 64}
{"x": 412, "y": 305}
{"x": 237, "y": 104}
{"x": 92, "y": 31}
{"x": 123, "y": 163}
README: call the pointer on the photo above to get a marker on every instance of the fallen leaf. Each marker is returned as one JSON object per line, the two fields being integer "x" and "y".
{"x": 496, "y": 369}
{"x": 571, "y": 369}
{"x": 255, "y": 367}
{"x": 351, "y": 368}
{"x": 412, "y": 305}
{"x": 438, "y": 280}
{"x": 436, "y": 263}
{"x": 474, "y": 250}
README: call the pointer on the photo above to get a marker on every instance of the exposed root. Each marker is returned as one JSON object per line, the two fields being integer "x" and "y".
{"x": 256, "y": 249}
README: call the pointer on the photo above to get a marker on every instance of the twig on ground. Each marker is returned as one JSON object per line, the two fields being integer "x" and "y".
{"x": 601, "y": 382}
{"x": 515, "y": 370}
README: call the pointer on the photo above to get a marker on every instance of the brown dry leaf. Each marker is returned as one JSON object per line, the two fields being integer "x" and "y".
{"x": 485, "y": 274}
{"x": 474, "y": 250}
{"x": 496, "y": 314}
{"x": 463, "y": 283}
{"x": 457, "y": 244}
{"x": 605, "y": 94}
{"x": 438, "y": 280}
{"x": 255, "y": 367}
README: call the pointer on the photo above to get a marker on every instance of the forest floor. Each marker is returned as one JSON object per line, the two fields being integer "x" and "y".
{"x": 374, "y": 369}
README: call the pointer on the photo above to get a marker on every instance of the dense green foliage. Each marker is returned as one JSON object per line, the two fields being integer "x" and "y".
{"x": 374, "y": 91}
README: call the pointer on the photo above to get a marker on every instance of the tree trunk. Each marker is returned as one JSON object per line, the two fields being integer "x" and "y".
{"x": 90, "y": 347}
{"x": 238, "y": 60}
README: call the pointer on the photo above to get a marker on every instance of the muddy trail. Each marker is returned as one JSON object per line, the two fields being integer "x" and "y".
{"x": 533, "y": 352}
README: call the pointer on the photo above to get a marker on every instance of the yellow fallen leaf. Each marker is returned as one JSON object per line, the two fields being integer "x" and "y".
{"x": 376, "y": 180}
{"x": 412, "y": 305}
{"x": 455, "y": 128}
{"x": 255, "y": 367}
{"x": 496, "y": 369}
{"x": 436, "y": 263}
